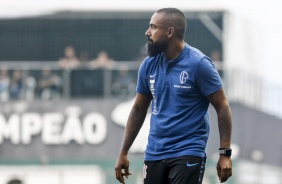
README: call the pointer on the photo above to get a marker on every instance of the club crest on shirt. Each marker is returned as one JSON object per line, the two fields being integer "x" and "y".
{"x": 182, "y": 80}
{"x": 183, "y": 77}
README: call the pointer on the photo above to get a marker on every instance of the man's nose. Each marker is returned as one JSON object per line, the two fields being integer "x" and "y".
{"x": 147, "y": 33}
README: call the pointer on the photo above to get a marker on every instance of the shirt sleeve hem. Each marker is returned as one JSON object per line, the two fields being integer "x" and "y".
{"x": 143, "y": 92}
{"x": 213, "y": 90}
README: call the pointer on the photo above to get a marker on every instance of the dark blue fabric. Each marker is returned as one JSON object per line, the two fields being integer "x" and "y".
{"x": 179, "y": 121}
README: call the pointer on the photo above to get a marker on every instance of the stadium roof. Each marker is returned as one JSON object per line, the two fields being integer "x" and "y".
{"x": 255, "y": 10}
{"x": 16, "y": 8}
{"x": 253, "y": 28}
{"x": 24, "y": 8}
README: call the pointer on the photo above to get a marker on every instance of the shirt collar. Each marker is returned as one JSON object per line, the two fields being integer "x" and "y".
{"x": 180, "y": 56}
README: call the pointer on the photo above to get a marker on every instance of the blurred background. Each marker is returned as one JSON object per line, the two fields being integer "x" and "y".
{"x": 68, "y": 72}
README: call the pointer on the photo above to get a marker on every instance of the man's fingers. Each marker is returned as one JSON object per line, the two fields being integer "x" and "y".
{"x": 218, "y": 172}
{"x": 126, "y": 172}
{"x": 224, "y": 168}
{"x": 119, "y": 175}
{"x": 224, "y": 175}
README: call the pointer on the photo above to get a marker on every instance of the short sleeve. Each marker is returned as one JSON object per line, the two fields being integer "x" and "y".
{"x": 142, "y": 84}
{"x": 208, "y": 79}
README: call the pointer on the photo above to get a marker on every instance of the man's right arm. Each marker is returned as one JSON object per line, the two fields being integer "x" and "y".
{"x": 134, "y": 123}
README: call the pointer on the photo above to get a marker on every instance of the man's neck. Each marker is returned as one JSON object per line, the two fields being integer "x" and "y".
{"x": 174, "y": 50}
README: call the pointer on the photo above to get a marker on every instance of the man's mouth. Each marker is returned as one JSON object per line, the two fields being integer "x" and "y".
{"x": 149, "y": 40}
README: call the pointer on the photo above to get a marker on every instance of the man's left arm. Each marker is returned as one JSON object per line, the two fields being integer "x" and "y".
{"x": 221, "y": 105}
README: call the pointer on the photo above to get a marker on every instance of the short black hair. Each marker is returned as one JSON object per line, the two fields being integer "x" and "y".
{"x": 175, "y": 18}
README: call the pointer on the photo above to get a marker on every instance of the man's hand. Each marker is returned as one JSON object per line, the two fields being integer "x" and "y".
{"x": 224, "y": 168}
{"x": 122, "y": 165}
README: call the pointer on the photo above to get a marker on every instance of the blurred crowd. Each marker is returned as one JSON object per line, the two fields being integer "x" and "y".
{"x": 16, "y": 85}
{"x": 71, "y": 60}
{"x": 49, "y": 84}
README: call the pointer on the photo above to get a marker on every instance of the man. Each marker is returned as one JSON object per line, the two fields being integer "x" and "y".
{"x": 180, "y": 82}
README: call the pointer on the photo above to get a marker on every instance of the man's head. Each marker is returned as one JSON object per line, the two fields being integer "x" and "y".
{"x": 69, "y": 52}
{"x": 166, "y": 24}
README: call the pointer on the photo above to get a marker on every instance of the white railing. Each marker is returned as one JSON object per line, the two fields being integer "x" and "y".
{"x": 99, "y": 82}
{"x": 240, "y": 86}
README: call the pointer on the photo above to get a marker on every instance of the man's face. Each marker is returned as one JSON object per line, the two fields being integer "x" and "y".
{"x": 156, "y": 47}
{"x": 157, "y": 37}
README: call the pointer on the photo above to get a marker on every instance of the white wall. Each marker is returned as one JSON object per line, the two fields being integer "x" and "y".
{"x": 253, "y": 39}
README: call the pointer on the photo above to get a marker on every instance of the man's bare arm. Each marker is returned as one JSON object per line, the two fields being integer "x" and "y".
{"x": 220, "y": 103}
{"x": 134, "y": 123}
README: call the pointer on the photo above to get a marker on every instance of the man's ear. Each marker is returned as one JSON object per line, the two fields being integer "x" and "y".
{"x": 171, "y": 31}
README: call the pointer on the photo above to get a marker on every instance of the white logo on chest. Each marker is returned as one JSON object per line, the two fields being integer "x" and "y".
{"x": 183, "y": 77}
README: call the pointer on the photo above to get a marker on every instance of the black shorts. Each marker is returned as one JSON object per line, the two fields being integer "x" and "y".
{"x": 179, "y": 170}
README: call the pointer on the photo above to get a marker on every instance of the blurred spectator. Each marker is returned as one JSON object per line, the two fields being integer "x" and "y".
{"x": 15, "y": 181}
{"x": 215, "y": 56}
{"x": 141, "y": 56}
{"x": 16, "y": 84}
{"x": 69, "y": 60}
{"x": 30, "y": 86}
{"x": 124, "y": 84}
{"x": 49, "y": 84}
{"x": 103, "y": 60}
{"x": 4, "y": 84}
{"x": 84, "y": 58}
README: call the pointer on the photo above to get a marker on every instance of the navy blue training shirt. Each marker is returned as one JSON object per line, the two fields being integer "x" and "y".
{"x": 179, "y": 122}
